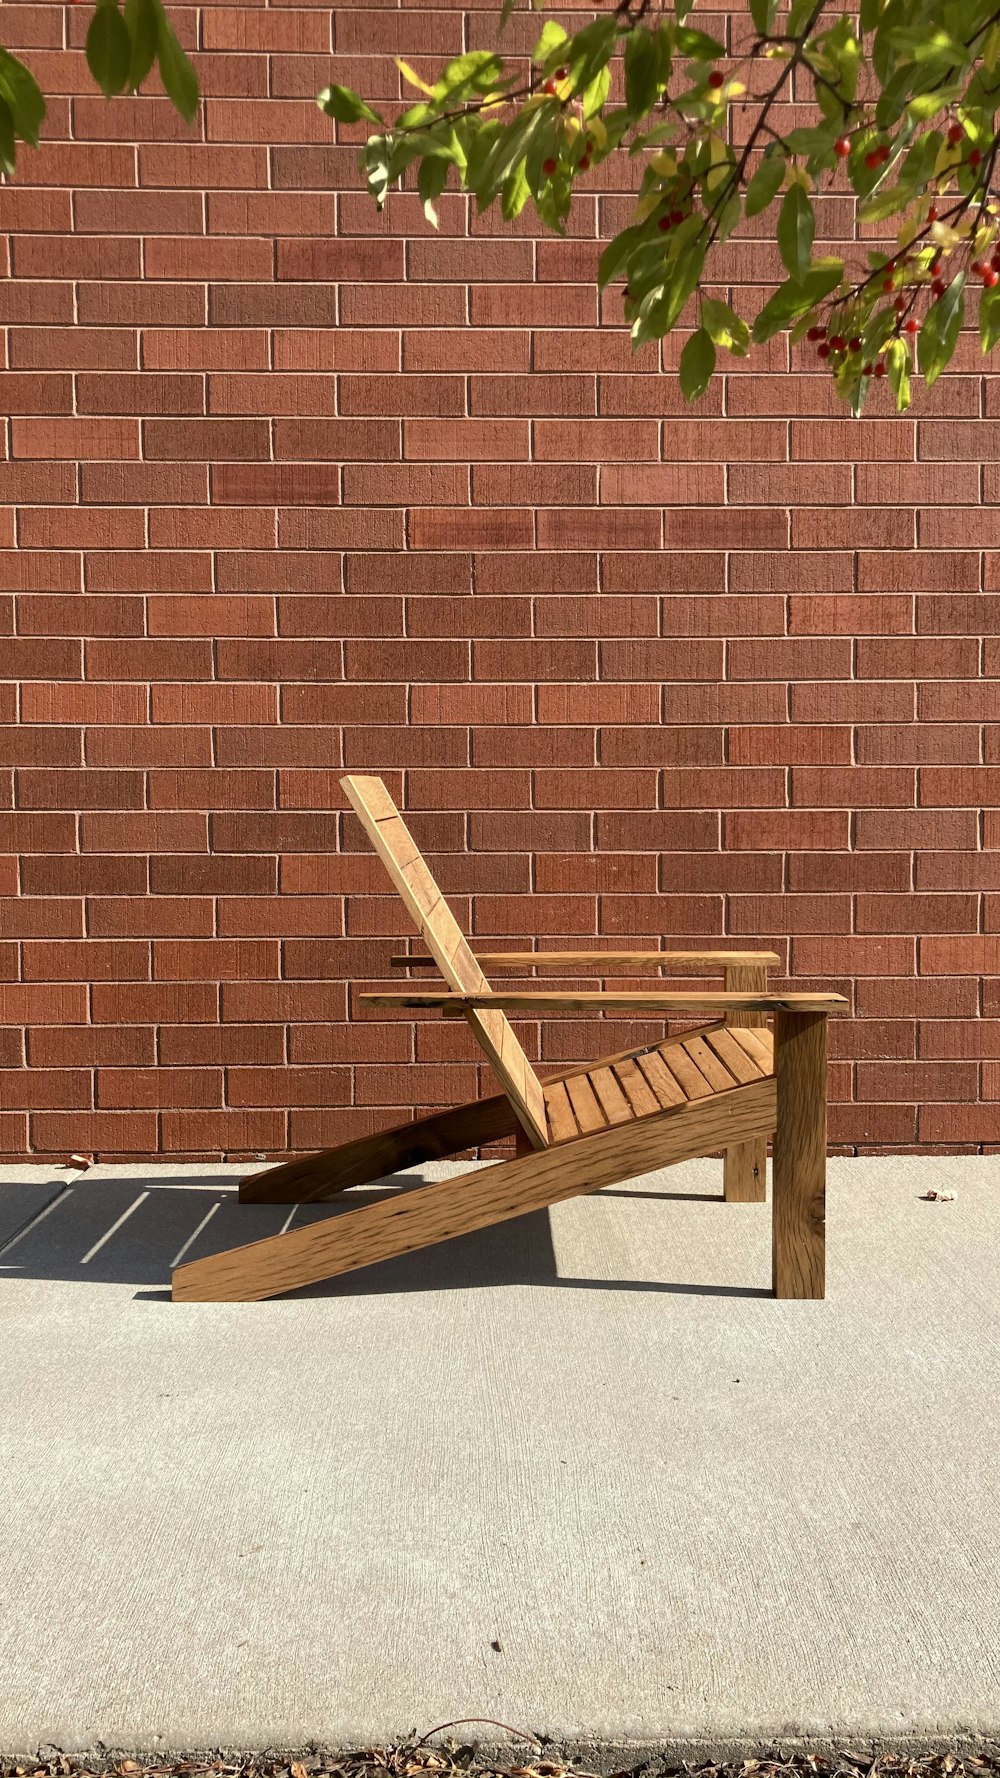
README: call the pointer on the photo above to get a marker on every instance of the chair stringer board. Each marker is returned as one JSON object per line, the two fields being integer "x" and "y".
{"x": 447, "y": 944}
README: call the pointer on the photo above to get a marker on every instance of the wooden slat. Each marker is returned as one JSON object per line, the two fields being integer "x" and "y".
{"x": 689, "y": 1078}
{"x": 665, "y": 1003}
{"x": 759, "y": 1046}
{"x": 444, "y": 938}
{"x": 573, "y": 962}
{"x": 562, "y": 1123}
{"x": 660, "y": 1079}
{"x": 741, "y": 1065}
{"x": 583, "y": 1099}
{"x": 708, "y": 1064}
{"x": 636, "y": 1088}
{"x": 624, "y": 1055}
{"x": 449, "y": 1207}
{"x": 612, "y": 1100}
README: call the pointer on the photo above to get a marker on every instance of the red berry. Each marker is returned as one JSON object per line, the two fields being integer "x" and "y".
{"x": 935, "y": 265}
{"x": 676, "y": 216}
{"x": 887, "y": 284}
{"x": 975, "y": 157}
{"x": 991, "y": 279}
{"x": 842, "y": 148}
{"x": 549, "y": 87}
{"x": 715, "y": 80}
{"x": 977, "y": 268}
{"x": 561, "y": 73}
{"x": 585, "y": 163}
{"x": 873, "y": 159}
{"x": 823, "y": 351}
{"x": 838, "y": 342}
{"x": 955, "y": 134}
{"x": 867, "y": 370}
{"x": 912, "y": 326}
{"x": 549, "y": 166}
{"x": 855, "y": 343}
{"x": 937, "y": 287}
{"x": 880, "y": 369}
{"x": 932, "y": 214}
{"x": 816, "y": 333}
{"x": 664, "y": 223}
{"x": 899, "y": 304}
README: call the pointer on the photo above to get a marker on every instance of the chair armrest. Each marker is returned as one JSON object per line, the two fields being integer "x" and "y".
{"x": 607, "y": 962}
{"x": 665, "y": 1003}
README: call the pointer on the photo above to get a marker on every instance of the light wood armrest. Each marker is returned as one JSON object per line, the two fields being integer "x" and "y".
{"x": 608, "y": 962}
{"x": 665, "y": 1003}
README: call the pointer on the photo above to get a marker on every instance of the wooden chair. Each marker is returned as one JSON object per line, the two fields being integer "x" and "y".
{"x": 725, "y": 1086}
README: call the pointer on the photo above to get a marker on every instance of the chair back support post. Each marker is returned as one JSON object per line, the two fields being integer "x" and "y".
{"x": 448, "y": 946}
{"x": 745, "y": 1166}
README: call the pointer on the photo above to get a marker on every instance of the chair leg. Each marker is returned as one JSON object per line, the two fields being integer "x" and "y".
{"x": 745, "y": 1172}
{"x": 799, "y": 1188}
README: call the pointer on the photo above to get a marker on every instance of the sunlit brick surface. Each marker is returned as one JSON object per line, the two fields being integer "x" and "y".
{"x": 288, "y": 488}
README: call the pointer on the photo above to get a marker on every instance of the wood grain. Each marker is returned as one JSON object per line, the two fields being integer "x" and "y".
{"x": 668, "y": 1091}
{"x": 313, "y": 1177}
{"x": 450, "y": 1207}
{"x": 666, "y": 1002}
{"x": 799, "y": 1187}
{"x": 745, "y": 1167}
{"x": 590, "y": 962}
{"x": 449, "y": 948}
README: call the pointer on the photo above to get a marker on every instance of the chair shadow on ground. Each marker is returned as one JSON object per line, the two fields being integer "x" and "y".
{"x": 135, "y": 1230}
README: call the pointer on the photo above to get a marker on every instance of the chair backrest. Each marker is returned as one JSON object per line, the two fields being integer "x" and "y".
{"x": 446, "y": 942}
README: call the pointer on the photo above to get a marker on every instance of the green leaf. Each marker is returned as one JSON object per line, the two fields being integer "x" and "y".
{"x": 141, "y": 24}
{"x": 792, "y": 299}
{"x": 941, "y": 330}
{"x": 724, "y": 327}
{"x": 796, "y": 230}
{"x": 345, "y": 106}
{"x": 109, "y": 49}
{"x": 553, "y": 37}
{"x": 989, "y": 319}
{"x": 897, "y": 360}
{"x": 479, "y": 71}
{"x": 698, "y": 45}
{"x": 641, "y": 69}
{"x": 8, "y": 146}
{"x": 596, "y": 92}
{"x": 886, "y": 203}
{"x": 516, "y": 192}
{"x": 763, "y": 12}
{"x": 660, "y": 308}
{"x": 431, "y": 180}
{"x": 22, "y": 95}
{"x": 615, "y": 255}
{"x": 697, "y": 365}
{"x": 375, "y": 160}
{"x": 176, "y": 71}
{"x": 765, "y": 184}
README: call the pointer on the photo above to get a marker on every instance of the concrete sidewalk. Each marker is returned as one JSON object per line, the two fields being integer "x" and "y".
{"x": 578, "y": 1473}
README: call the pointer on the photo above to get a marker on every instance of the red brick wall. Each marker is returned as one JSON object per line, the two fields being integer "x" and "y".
{"x": 288, "y": 488}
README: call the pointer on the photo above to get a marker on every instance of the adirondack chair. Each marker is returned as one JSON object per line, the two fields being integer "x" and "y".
{"x": 724, "y": 1086}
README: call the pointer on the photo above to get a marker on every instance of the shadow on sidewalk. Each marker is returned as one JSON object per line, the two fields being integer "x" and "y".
{"x": 134, "y": 1231}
